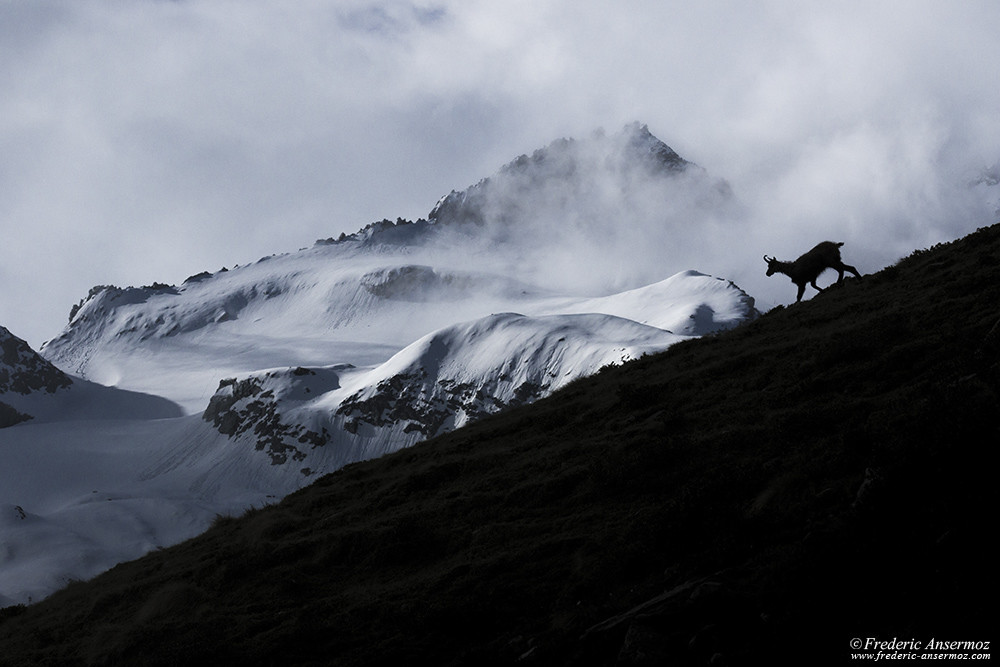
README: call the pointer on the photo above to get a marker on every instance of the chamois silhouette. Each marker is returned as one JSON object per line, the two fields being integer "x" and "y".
{"x": 806, "y": 269}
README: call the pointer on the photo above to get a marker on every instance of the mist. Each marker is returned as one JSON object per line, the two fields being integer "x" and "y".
{"x": 147, "y": 141}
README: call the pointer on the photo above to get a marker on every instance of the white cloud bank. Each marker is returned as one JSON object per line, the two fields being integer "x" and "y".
{"x": 148, "y": 140}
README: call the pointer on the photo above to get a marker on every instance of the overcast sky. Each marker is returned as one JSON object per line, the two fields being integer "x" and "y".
{"x": 148, "y": 140}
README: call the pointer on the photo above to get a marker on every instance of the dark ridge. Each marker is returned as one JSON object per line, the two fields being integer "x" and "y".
{"x": 372, "y": 229}
{"x": 24, "y": 371}
{"x": 94, "y": 291}
{"x": 761, "y": 496}
{"x": 10, "y": 416}
{"x": 198, "y": 277}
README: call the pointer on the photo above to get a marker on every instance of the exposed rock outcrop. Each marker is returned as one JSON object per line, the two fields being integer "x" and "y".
{"x": 23, "y": 371}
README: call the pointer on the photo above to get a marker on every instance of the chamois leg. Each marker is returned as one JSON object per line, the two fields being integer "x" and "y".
{"x": 802, "y": 290}
{"x": 845, "y": 267}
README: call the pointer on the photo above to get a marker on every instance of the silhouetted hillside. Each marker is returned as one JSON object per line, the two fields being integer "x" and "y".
{"x": 761, "y": 496}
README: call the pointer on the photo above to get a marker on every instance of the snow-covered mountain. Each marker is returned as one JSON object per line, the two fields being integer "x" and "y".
{"x": 319, "y": 419}
{"x": 354, "y": 302}
{"x": 82, "y": 491}
{"x": 620, "y": 205}
{"x": 297, "y": 364}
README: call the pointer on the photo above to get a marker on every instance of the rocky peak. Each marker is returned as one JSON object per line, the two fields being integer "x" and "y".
{"x": 23, "y": 371}
{"x": 562, "y": 171}
{"x": 643, "y": 145}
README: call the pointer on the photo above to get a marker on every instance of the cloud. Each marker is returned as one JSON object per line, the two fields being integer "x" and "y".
{"x": 149, "y": 140}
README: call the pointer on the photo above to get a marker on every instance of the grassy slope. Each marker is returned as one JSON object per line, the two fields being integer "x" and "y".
{"x": 816, "y": 475}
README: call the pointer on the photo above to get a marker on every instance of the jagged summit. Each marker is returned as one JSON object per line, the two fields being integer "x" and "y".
{"x": 564, "y": 174}
{"x": 640, "y": 142}
{"x": 627, "y": 162}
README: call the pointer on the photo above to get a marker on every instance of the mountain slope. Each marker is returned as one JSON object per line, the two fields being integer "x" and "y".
{"x": 465, "y": 372}
{"x": 320, "y": 419}
{"x": 768, "y": 493}
{"x": 268, "y": 432}
{"x": 262, "y": 436}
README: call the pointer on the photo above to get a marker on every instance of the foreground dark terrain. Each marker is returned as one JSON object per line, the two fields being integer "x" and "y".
{"x": 757, "y": 497}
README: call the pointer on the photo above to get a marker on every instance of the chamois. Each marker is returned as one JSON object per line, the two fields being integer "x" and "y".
{"x": 806, "y": 269}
